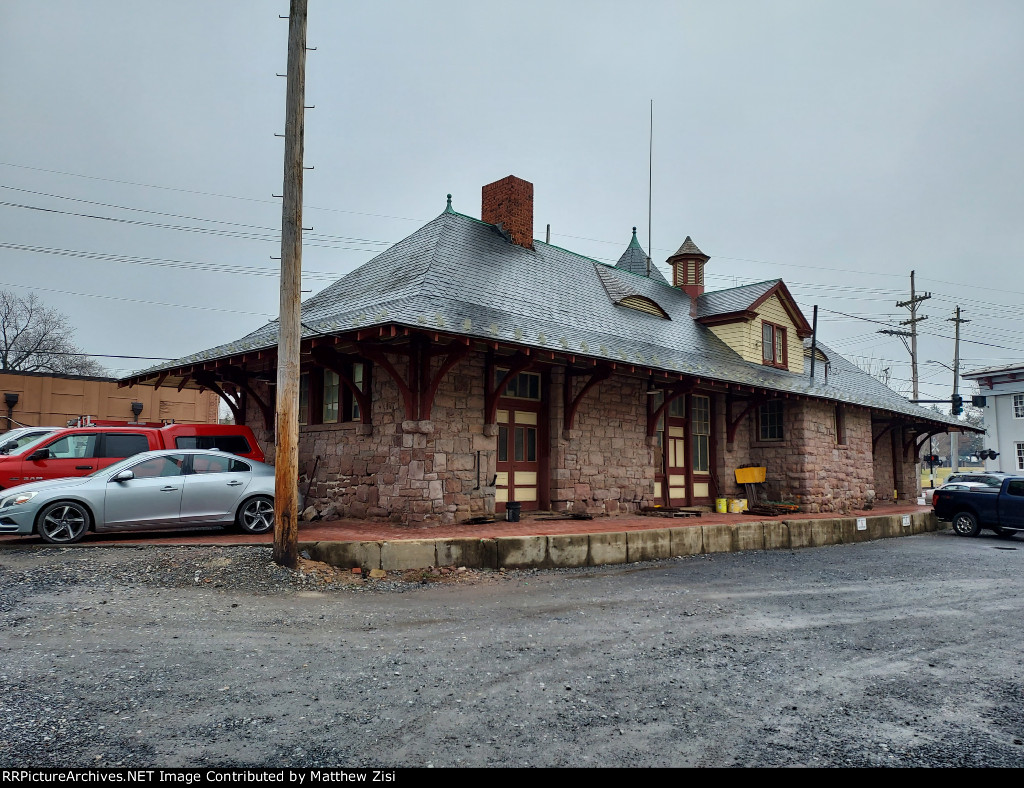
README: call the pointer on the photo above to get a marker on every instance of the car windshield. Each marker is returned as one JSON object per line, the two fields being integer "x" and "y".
{"x": 30, "y": 445}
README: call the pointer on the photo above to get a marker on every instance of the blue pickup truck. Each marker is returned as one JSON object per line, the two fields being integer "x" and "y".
{"x": 1000, "y": 510}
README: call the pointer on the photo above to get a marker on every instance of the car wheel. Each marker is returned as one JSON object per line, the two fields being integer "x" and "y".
{"x": 965, "y": 524}
{"x": 257, "y": 515}
{"x": 64, "y": 522}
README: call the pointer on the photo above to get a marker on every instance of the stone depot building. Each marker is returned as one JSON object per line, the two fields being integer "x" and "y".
{"x": 470, "y": 365}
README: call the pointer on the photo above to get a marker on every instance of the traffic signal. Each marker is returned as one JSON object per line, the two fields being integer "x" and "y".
{"x": 958, "y": 404}
{"x": 988, "y": 454}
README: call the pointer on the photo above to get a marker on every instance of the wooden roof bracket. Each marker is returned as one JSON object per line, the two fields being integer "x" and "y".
{"x": 919, "y": 441}
{"x": 517, "y": 363}
{"x": 209, "y": 380}
{"x": 672, "y": 393}
{"x": 892, "y": 425}
{"x": 378, "y": 358}
{"x": 732, "y": 424}
{"x": 240, "y": 378}
{"x": 594, "y": 376}
{"x": 453, "y": 353}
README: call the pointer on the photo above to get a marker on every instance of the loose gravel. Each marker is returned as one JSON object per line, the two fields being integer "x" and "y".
{"x": 903, "y": 652}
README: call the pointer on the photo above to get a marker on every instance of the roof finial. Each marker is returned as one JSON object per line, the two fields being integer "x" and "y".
{"x": 449, "y": 207}
{"x": 634, "y": 232}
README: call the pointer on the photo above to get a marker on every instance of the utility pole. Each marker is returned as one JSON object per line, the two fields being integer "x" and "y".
{"x": 286, "y": 461}
{"x": 911, "y": 346}
{"x": 954, "y": 442}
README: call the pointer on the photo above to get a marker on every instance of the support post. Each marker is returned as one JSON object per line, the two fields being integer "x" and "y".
{"x": 286, "y": 462}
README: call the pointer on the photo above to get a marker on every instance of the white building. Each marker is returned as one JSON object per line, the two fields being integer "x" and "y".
{"x": 1003, "y": 389}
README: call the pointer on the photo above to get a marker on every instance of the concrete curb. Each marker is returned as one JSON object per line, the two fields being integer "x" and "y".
{"x": 599, "y": 549}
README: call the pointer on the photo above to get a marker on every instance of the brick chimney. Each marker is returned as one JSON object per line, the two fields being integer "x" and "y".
{"x": 509, "y": 202}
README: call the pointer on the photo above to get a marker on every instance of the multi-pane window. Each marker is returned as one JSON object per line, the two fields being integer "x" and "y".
{"x": 1020, "y": 456}
{"x": 525, "y": 448}
{"x": 839, "y": 422}
{"x": 659, "y": 452}
{"x": 1018, "y": 406}
{"x": 770, "y": 421}
{"x": 701, "y": 428}
{"x": 325, "y": 396}
{"x": 773, "y": 344}
{"x": 677, "y": 408}
{"x": 332, "y": 394}
{"x": 304, "y": 398}
{"x": 502, "y": 443}
{"x": 357, "y": 378}
{"x": 525, "y": 385}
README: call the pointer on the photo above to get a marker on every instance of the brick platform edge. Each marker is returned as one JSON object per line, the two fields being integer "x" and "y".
{"x": 597, "y": 549}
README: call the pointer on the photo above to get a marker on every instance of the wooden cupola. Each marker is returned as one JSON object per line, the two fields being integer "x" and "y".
{"x": 688, "y": 268}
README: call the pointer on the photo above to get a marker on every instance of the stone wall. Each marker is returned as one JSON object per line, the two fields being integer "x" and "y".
{"x": 416, "y": 472}
{"x": 604, "y": 463}
{"x": 906, "y": 480}
{"x": 808, "y": 466}
{"x": 439, "y": 470}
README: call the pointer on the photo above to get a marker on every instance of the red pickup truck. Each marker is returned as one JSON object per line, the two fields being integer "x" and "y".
{"x": 79, "y": 451}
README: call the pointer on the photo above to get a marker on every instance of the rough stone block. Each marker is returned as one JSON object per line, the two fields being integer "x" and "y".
{"x": 648, "y": 545}
{"x": 473, "y": 553}
{"x": 892, "y": 526}
{"x": 522, "y": 552}
{"x": 408, "y": 554}
{"x": 776, "y": 535}
{"x": 688, "y": 540}
{"x": 346, "y": 555}
{"x": 825, "y": 532}
{"x": 925, "y": 521}
{"x": 799, "y": 533}
{"x": 848, "y": 531}
{"x": 568, "y": 550}
{"x": 717, "y": 538}
{"x": 607, "y": 548}
{"x": 747, "y": 536}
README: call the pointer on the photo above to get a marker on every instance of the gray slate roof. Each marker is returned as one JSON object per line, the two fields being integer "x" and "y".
{"x": 735, "y": 299}
{"x": 688, "y": 247}
{"x": 634, "y": 260}
{"x": 458, "y": 275}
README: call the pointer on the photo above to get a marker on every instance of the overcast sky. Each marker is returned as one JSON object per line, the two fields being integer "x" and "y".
{"x": 837, "y": 145}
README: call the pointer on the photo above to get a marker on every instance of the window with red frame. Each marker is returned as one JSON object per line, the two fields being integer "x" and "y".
{"x": 773, "y": 345}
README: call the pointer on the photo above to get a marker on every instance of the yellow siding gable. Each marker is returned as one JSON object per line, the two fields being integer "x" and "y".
{"x": 773, "y": 311}
{"x": 744, "y": 336}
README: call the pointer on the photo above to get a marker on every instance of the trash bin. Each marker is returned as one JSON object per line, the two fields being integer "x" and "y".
{"x": 512, "y": 511}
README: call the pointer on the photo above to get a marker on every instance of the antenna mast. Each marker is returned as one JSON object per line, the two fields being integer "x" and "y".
{"x": 650, "y": 187}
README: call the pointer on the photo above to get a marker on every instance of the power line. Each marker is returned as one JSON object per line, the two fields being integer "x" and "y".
{"x": 320, "y": 236}
{"x": 137, "y": 300}
{"x": 202, "y": 193}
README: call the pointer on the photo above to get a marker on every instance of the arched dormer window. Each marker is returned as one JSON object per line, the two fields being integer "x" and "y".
{"x": 644, "y": 304}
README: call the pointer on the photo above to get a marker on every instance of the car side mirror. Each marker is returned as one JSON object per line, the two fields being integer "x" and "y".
{"x": 123, "y": 476}
{"x": 40, "y": 454}
{"x": 6, "y": 448}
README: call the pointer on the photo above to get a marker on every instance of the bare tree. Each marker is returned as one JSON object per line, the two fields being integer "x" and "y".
{"x": 36, "y": 338}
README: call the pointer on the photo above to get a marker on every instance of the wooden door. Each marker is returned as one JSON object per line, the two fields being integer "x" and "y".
{"x": 518, "y": 456}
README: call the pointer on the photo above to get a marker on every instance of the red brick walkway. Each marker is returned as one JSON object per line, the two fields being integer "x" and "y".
{"x": 531, "y": 525}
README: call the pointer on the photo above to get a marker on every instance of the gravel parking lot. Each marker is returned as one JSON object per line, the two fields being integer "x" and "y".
{"x": 900, "y": 652}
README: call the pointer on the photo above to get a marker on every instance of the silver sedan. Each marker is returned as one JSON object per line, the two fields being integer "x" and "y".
{"x": 182, "y": 488}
